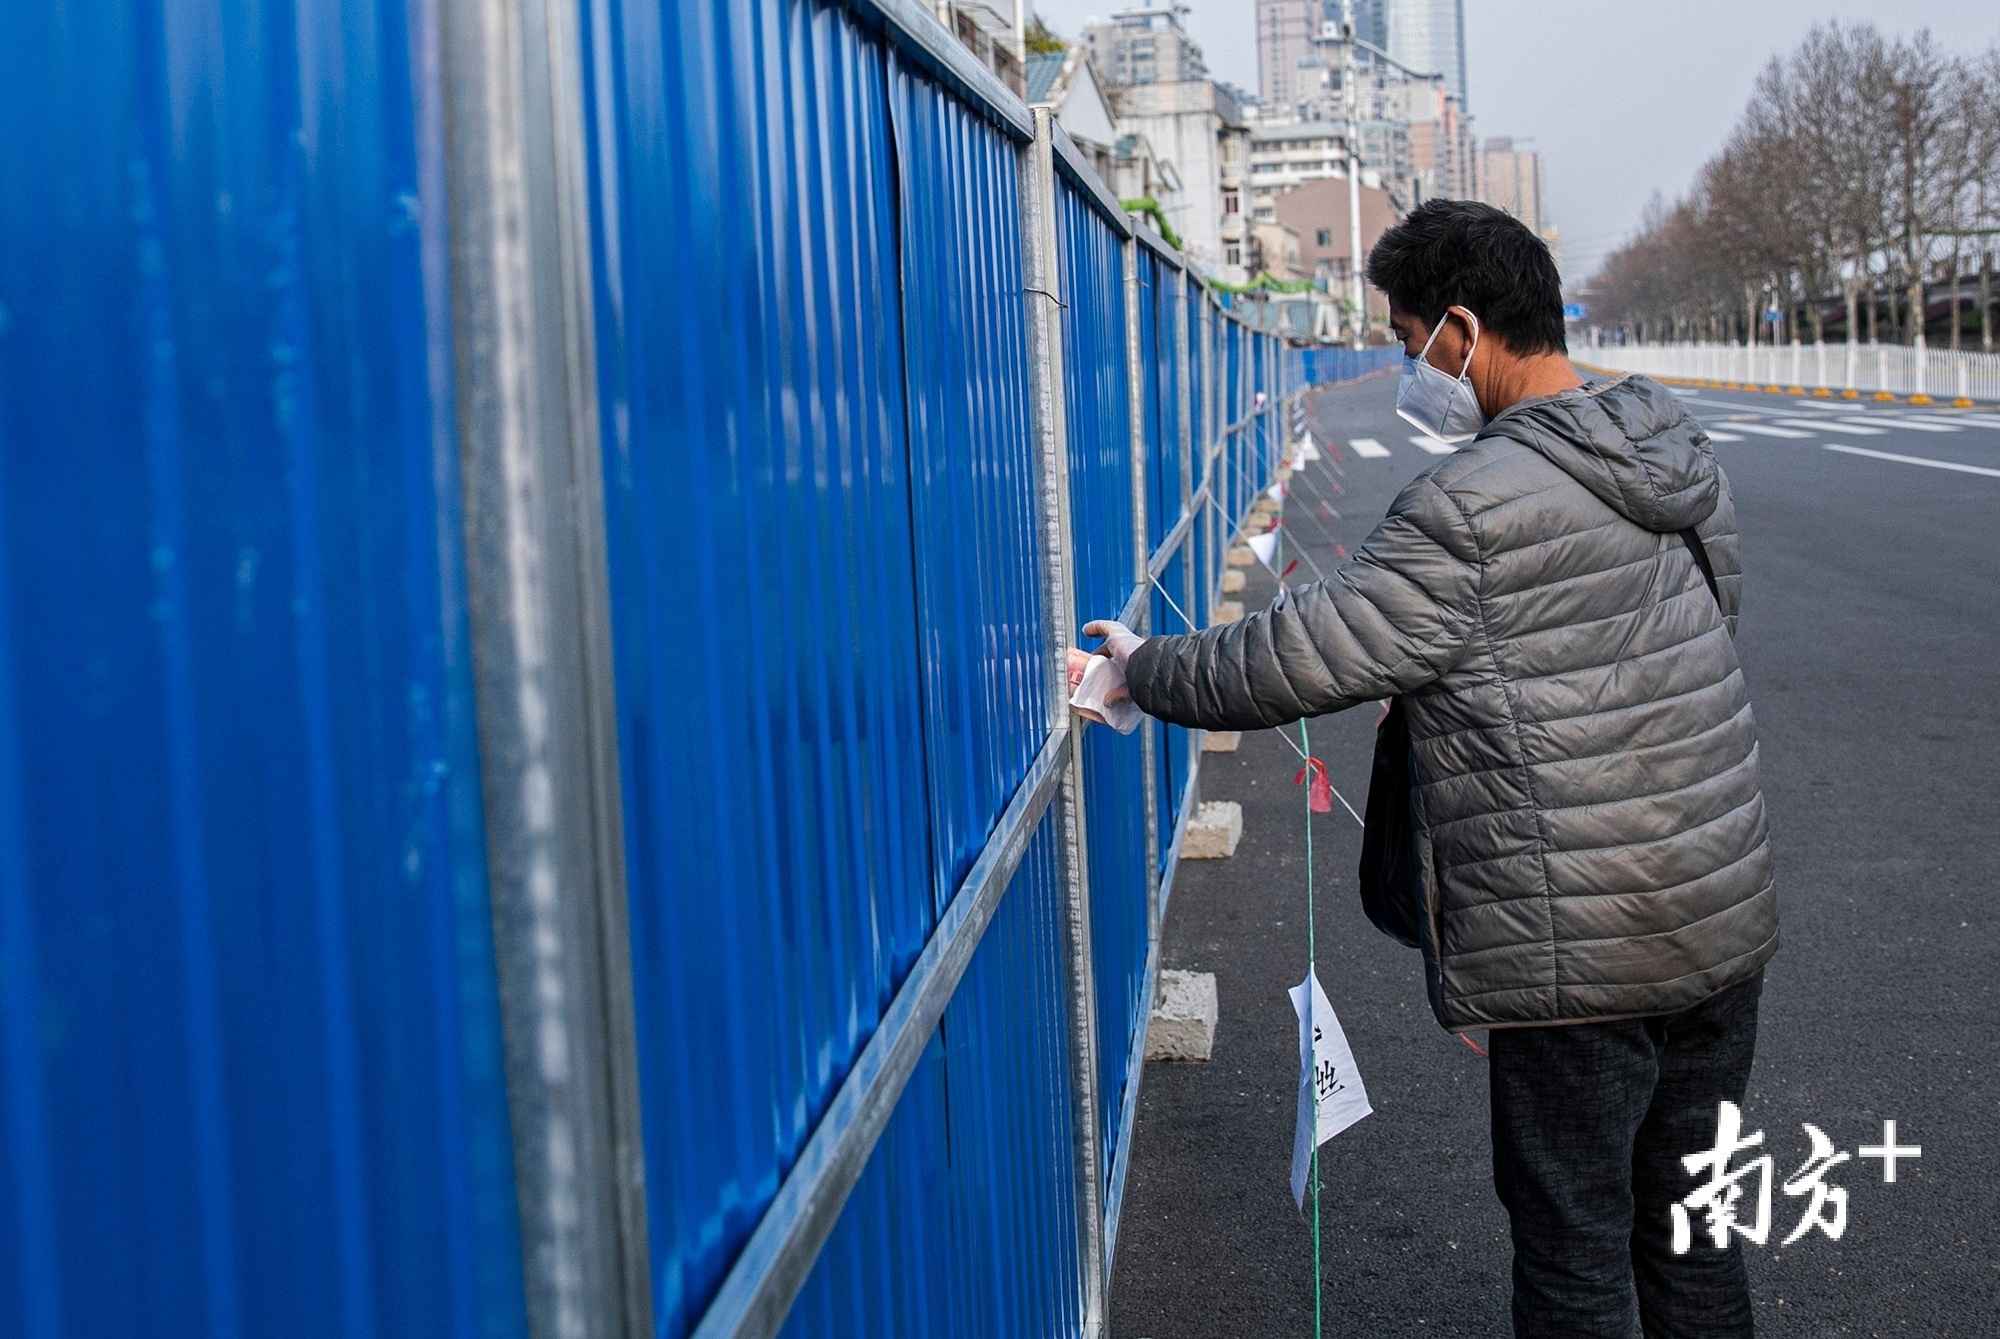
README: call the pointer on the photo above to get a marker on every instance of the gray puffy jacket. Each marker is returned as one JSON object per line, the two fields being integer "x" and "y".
{"x": 1590, "y": 828}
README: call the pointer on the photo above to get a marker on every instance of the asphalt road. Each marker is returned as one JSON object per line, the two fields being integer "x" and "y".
{"x": 1870, "y": 633}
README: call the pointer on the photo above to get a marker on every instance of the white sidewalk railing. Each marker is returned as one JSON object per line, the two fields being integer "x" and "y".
{"x": 1895, "y": 368}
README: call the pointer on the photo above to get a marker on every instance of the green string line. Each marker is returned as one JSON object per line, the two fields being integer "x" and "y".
{"x": 1312, "y": 974}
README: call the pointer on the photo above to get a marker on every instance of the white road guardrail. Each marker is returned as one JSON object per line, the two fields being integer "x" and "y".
{"x": 1898, "y": 370}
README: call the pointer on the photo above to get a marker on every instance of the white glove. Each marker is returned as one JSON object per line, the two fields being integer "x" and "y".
{"x": 1119, "y": 641}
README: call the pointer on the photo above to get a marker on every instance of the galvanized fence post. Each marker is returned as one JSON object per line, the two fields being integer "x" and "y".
{"x": 527, "y": 423}
{"x": 1045, "y": 356}
{"x": 1135, "y": 399}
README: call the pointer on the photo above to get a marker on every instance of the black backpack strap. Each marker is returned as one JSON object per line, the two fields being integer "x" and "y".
{"x": 1693, "y": 541}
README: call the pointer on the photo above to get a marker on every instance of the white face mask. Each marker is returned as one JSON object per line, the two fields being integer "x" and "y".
{"x": 1437, "y": 402}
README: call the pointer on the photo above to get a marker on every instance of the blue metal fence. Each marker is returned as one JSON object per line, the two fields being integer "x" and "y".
{"x": 535, "y": 795}
{"x": 1321, "y": 366}
{"x": 248, "y": 1022}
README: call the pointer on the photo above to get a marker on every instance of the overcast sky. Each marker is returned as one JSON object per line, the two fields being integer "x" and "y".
{"x": 1622, "y": 97}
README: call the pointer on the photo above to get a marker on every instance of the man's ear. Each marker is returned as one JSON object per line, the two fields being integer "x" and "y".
{"x": 1453, "y": 340}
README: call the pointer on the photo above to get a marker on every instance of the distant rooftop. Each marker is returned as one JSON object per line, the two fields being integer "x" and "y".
{"x": 1043, "y": 71}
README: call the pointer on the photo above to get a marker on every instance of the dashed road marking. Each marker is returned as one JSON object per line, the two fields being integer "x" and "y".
{"x": 1368, "y": 448}
{"x": 1911, "y": 460}
{"x": 1432, "y": 445}
{"x": 1905, "y": 421}
{"x": 1764, "y": 430}
{"x": 1956, "y": 420}
{"x": 1818, "y": 425}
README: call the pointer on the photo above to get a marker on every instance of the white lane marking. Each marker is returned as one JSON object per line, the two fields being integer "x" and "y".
{"x": 1715, "y": 436}
{"x": 1828, "y": 405}
{"x": 1764, "y": 430}
{"x": 1903, "y": 421}
{"x": 1911, "y": 460}
{"x": 1678, "y": 391}
{"x": 1432, "y": 445}
{"x": 1958, "y": 420}
{"x": 1825, "y": 425}
{"x": 1368, "y": 448}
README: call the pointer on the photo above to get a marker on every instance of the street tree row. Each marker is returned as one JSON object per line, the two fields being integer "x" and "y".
{"x": 1858, "y": 195}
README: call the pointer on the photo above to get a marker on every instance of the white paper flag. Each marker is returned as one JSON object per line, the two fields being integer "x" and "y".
{"x": 1276, "y": 492}
{"x": 1328, "y": 1080}
{"x": 1308, "y": 452}
{"x": 1265, "y": 546}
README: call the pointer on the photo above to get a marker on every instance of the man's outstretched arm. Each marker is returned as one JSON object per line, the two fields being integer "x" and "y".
{"x": 1392, "y": 618}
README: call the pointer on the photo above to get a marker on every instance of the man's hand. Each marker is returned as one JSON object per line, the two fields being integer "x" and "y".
{"x": 1077, "y": 665}
{"x": 1119, "y": 641}
{"x": 1078, "y": 662}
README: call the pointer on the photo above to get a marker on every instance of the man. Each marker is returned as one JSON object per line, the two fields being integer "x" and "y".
{"x": 1597, "y": 875}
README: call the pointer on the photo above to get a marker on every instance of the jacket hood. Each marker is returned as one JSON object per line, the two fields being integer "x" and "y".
{"x": 1630, "y": 442}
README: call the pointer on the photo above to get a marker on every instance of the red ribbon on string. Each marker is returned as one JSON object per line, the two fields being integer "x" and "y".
{"x": 1340, "y": 550}
{"x": 1477, "y": 1049}
{"x": 1319, "y": 795}
{"x": 1288, "y": 569}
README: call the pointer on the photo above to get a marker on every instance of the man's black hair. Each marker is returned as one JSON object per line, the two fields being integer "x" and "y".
{"x": 1460, "y": 253}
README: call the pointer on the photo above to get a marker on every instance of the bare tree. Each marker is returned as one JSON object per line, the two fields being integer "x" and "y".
{"x": 1857, "y": 163}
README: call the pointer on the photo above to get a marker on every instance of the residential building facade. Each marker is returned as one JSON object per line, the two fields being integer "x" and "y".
{"x": 1146, "y": 44}
{"x": 1198, "y": 127}
{"x": 986, "y": 29}
{"x": 1276, "y": 250}
{"x": 1317, "y": 211}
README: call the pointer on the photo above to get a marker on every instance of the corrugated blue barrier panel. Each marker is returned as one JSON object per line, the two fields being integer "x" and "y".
{"x": 771, "y": 689}
{"x": 1100, "y": 475}
{"x": 980, "y": 632}
{"x": 1159, "y": 406}
{"x": 1200, "y": 412}
{"x": 1171, "y": 757}
{"x": 964, "y": 1222}
{"x": 1322, "y": 366}
{"x": 1174, "y": 451}
{"x": 1159, "y": 361}
{"x": 249, "y": 1030}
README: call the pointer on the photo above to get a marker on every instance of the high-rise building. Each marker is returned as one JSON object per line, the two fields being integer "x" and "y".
{"x": 1146, "y": 44}
{"x": 1428, "y": 35}
{"x": 1285, "y": 33}
{"x": 1443, "y": 160}
{"x": 1371, "y": 21}
{"x": 1294, "y": 52}
{"x": 1511, "y": 179}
